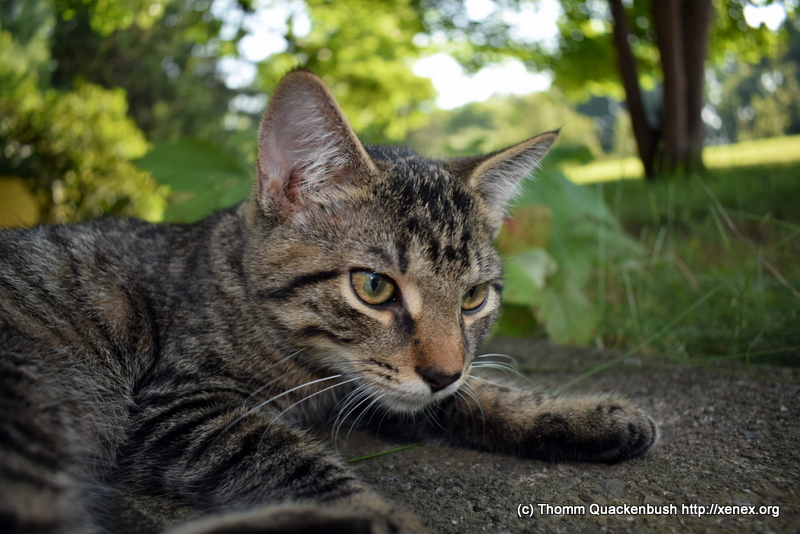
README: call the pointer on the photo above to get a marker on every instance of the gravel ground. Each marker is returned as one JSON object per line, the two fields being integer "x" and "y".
{"x": 730, "y": 438}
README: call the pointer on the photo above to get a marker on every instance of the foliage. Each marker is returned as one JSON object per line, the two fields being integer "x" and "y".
{"x": 665, "y": 49}
{"x": 107, "y": 16}
{"x": 203, "y": 177}
{"x": 763, "y": 99}
{"x": 167, "y": 61}
{"x": 485, "y": 126}
{"x": 557, "y": 237}
{"x": 364, "y": 50}
{"x": 584, "y": 60}
{"x": 73, "y": 148}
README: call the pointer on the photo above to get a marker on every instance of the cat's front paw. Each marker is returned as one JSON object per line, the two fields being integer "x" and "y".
{"x": 595, "y": 429}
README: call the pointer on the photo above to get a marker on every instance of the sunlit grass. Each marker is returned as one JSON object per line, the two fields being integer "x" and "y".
{"x": 776, "y": 151}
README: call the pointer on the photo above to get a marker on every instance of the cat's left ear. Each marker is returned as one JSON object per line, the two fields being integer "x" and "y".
{"x": 308, "y": 154}
{"x": 498, "y": 176}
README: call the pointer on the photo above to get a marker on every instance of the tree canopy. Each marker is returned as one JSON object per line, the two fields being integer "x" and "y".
{"x": 167, "y": 65}
{"x": 74, "y": 148}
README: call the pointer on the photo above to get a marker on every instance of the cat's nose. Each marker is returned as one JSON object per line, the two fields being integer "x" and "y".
{"x": 436, "y": 378}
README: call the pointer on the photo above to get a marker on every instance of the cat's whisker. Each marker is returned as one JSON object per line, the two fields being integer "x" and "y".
{"x": 304, "y": 399}
{"x": 496, "y": 384}
{"x": 460, "y": 394}
{"x": 364, "y": 398}
{"x": 279, "y": 377}
{"x": 369, "y": 421}
{"x": 432, "y": 417}
{"x": 264, "y": 403}
{"x": 349, "y": 400}
{"x": 342, "y": 403}
{"x": 380, "y": 423}
{"x": 363, "y": 412}
{"x": 352, "y": 404}
{"x": 268, "y": 384}
{"x": 511, "y": 359}
{"x": 470, "y": 390}
{"x": 307, "y": 397}
{"x": 506, "y": 367}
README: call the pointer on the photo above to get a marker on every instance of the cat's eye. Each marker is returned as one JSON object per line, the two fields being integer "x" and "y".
{"x": 373, "y": 288}
{"x": 475, "y": 297}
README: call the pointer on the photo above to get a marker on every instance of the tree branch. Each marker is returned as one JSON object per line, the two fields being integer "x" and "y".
{"x": 646, "y": 136}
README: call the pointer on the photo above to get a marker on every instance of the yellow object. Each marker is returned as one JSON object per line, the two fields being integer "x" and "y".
{"x": 18, "y": 207}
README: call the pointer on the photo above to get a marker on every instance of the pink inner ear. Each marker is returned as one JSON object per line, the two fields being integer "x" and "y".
{"x": 280, "y": 178}
{"x": 294, "y": 188}
{"x": 306, "y": 148}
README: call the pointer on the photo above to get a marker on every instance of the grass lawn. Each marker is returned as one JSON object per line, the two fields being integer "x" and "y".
{"x": 721, "y": 273}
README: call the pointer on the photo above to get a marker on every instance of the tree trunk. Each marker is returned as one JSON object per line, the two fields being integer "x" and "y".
{"x": 667, "y": 22}
{"x": 682, "y": 28}
{"x": 646, "y": 136}
{"x": 697, "y": 17}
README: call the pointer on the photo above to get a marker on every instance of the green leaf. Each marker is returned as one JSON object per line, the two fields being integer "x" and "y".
{"x": 528, "y": 227}
{"x": 526, "y": 274}
{"x": 551, "y": 246}
{"x": 204, "y": 177}
{"x": 568, "y": 315}
{"x": 515, "y": 321}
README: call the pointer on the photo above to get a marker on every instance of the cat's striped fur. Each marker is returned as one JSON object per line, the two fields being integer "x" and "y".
{"x": 184, "y": 361}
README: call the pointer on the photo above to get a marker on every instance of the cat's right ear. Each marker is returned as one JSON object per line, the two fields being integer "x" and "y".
{"x": 307, "y": 152}
{"x": 498, "y": 177}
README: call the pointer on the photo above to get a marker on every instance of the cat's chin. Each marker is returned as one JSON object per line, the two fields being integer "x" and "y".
{"x": 410, "y": 403}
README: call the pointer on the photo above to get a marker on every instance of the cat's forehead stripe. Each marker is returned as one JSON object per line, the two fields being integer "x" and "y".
{"x": 402, "y": 256}
{"x": 431, "y": 210}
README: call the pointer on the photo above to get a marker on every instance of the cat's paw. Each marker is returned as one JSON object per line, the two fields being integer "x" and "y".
{"x": 307, "y": 519}
{"x": 627, "y": 431}
{"x": 596, "y": 429}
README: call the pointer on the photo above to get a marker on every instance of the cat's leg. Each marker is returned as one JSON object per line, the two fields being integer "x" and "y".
{"x": 535, "y": 425}
{"x": 245, "y": 471}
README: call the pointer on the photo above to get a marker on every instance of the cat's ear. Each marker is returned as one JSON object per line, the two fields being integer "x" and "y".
{"x": 498, "y": 176}
{"x": 307, "y": 151}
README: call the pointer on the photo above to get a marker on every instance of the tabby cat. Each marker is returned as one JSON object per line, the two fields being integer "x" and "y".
{"x": 185, "y": 361}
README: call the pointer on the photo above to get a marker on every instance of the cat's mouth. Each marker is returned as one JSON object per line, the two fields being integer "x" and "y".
{"x": 416, "y": 399}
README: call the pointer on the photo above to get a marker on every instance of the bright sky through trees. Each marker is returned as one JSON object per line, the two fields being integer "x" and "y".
{"x": 536, "y": 22}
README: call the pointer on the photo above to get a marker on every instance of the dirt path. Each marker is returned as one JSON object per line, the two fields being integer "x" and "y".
{"x": 730, "y": 437}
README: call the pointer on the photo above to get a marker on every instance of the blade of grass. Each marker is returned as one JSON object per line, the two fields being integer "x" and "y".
{"x": 601, "y": 267}
{"x": 735, "y": 231}
{"x": 651, "y": 197}
{"x": 669, "y": 326}
{"x": 662, "y": 233}
{"x": 760, "y": 218}
{"x": 384, "y": 453}
{"x": 626, "y": 278}
{"x": 720, "y": 228}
